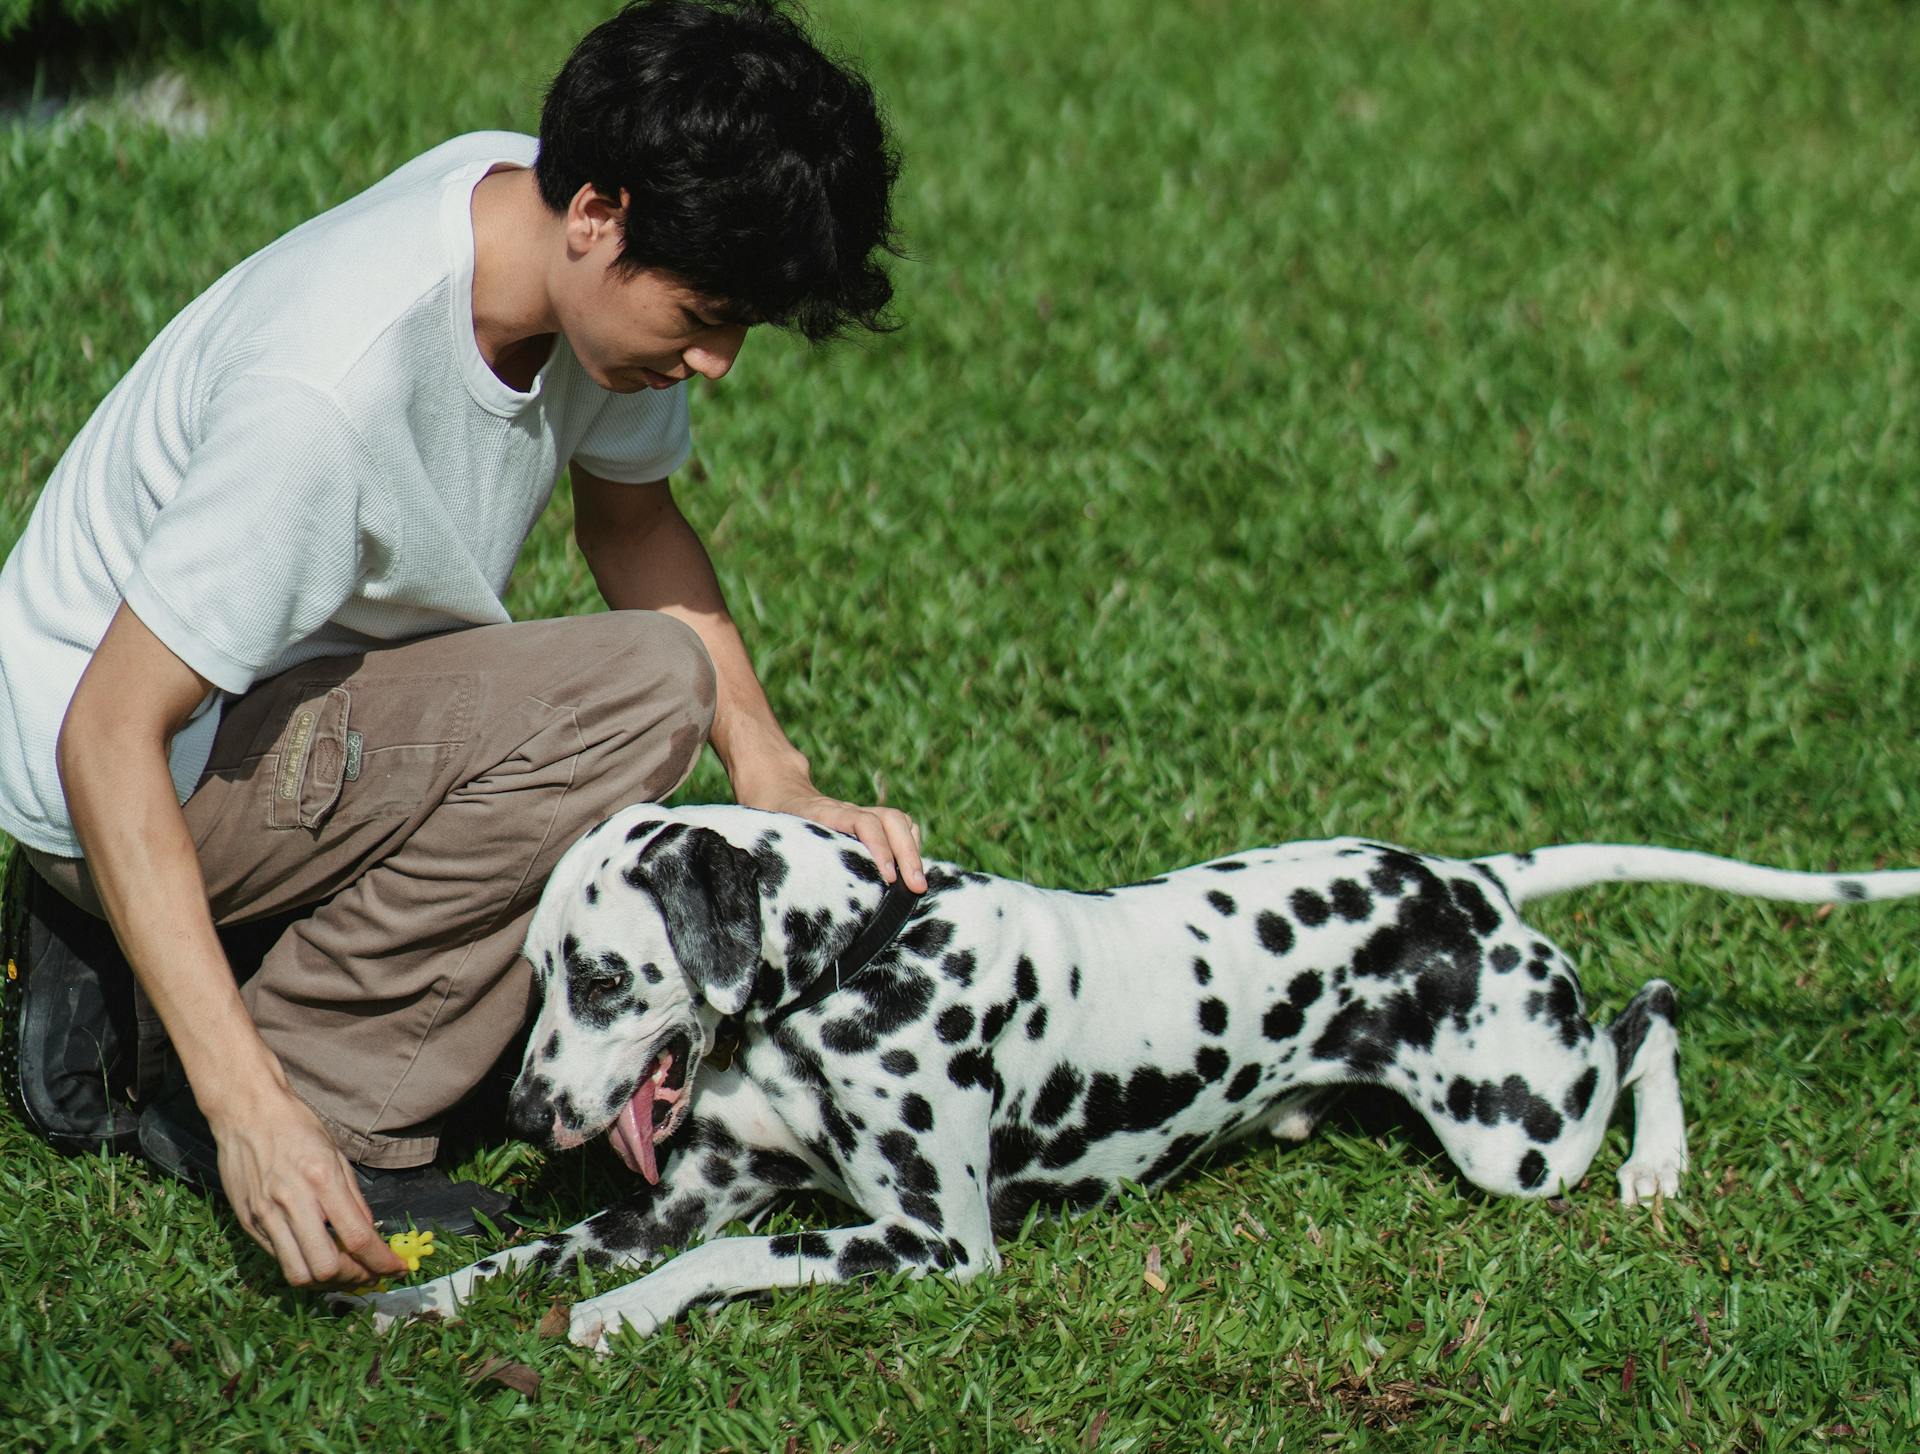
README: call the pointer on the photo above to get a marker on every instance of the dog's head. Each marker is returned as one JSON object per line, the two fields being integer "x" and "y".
{"x": 648, "y": 934}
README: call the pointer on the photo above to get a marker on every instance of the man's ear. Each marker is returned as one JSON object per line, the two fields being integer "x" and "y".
{"x": 591, "y": 216}
{"x": 709, "y": 893}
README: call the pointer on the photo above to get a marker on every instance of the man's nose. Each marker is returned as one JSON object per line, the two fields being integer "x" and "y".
{"x": 714, "y": 354}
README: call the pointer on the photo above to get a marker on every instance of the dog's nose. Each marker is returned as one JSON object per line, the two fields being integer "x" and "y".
{"x": 530, "y": 1111}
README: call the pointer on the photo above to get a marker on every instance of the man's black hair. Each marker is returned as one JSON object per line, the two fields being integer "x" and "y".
{"x": 756, "y": 170}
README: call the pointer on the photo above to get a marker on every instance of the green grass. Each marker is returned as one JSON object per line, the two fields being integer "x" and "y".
{"x": 1451, "y": 423}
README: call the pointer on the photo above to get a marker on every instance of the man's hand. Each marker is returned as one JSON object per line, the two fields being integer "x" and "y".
{"x": 645, "y": 556}
{"x": 887, "y": 833}
{"x": 287, "y": 1182}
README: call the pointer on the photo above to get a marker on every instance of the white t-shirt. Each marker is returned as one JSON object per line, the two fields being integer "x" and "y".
{"x": 312, "y": 459}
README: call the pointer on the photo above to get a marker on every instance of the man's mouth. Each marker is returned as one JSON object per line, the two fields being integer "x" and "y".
{"x": 656, "y": 1110}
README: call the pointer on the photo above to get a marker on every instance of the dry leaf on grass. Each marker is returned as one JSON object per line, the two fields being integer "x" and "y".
{"x": 555, "y": 1322}
{"x": 1152, "y": 1275}
{"x": 516, "y": 1376}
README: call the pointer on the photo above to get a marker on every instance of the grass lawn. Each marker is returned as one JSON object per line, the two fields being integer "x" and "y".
{"x": 1470, "y": 425}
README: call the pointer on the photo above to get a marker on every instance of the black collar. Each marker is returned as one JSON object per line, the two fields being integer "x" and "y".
{"x": 894, "y": 910}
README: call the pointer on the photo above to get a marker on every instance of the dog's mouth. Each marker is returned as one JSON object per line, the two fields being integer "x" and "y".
{"x": 657, "y": 1108}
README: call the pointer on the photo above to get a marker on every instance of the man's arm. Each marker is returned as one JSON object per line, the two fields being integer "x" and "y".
{"x": 645, "y": 556}
{"x": 281, "y": 1171}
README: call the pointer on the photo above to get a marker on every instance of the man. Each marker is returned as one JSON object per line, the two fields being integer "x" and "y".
{"x": 288, "y": 530}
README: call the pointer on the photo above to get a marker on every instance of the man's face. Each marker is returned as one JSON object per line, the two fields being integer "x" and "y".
{"x": 634, "y": 331}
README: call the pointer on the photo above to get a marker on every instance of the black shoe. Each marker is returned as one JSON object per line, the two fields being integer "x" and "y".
{"x": 176, "y": 1138}
{"x": 67, "y": 1026}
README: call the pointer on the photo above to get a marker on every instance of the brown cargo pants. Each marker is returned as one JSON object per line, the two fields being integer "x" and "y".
{"x": 420, "y": 794}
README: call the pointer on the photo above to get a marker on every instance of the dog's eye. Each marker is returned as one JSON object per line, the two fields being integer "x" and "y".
{"x": 606, "y": 984}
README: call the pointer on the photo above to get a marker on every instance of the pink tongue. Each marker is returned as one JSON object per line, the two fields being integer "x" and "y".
{"x": 632, "y": 1134}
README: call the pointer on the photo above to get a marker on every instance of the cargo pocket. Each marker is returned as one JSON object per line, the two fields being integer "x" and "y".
{"x": 310, "y": 761}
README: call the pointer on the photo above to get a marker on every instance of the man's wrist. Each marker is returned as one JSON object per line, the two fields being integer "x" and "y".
{"x": 769, "y": 773}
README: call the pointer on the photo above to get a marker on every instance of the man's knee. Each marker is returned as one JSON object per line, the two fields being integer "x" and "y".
{"x": 663, "y": 690}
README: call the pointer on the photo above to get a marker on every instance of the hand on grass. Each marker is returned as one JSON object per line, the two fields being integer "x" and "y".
{"x": 295, "y": 1194}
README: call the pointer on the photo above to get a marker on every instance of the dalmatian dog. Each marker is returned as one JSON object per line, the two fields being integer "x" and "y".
{"x": 1006, "y": 1045}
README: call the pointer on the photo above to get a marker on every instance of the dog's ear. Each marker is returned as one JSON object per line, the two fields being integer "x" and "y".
{"x": 709, "y": 893}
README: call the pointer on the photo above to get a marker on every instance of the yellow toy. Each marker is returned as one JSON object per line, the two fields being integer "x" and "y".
{"x": 410, "y": 1247}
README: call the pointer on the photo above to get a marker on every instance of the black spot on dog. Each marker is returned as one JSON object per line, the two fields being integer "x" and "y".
{"x": 1202, "y": 971}
{"x": 861, "y": 867}
{"x": 1350, "y": 901}
{"x": 1303, "y": 989}
{"x": 1504, "y": 959}
{"x": 1037, "y": 1023}
{"x": 1011, "y": 1150}
{"x": 916, "y": 1113}
{"x": 1213, "y": 1016}
{"x": 1211, "y": 1062}
{"x": 1580, "y": 1094}
{"x": 839, "y": 1126}
{"x": 1244, "y": 1080}
{"x": 1058, "y": 1092}
{"x": 1629, "y": 1028}
{"x": 959, "y": 967}
{"x": 643, "y": 1221}
{"x": 850, "y": 1036}
{"x": 1282, "y": 1021}
{"x": 970, "y": 1068}
{"x": 818, "y": 832}
{"x": 1179, "y": 1152}
{"x": 1851, "y": 891}
{"x": 1198, "y": 933}
{"x": 927, "y": 938}
{"x": 1466, "y": 893}
{"x": 1274, "y": 933}
{"x": 897, "y": 994}
{"x": 1150, "y": 1098}
{"x": 1533, "y": 1170}
{"x": 954, "y": 1025}
{"x": 1560, "y": 1006}
{"x": 1015, "y": 1199}
{"x": 720, "y": 1171}
{"x": 905, "y": 1244}
{"x": 1309, "y": 908}
{"x": 864, "y": 1257}
{"x": 1065, "y": 1149}
{"x": 708, "y": 1134}
{"x": 801, "y": 1244}
{"x": 1073, "y": 983}
{"x": 778, "y": 1169}
{"x": 996, "y": 1019}
{"x": 901, "y": 1062}
{"x": 1493, "y": 878}
{"x": 1026, "y": 983}
{"x": 919, "y": 1180}
{"x": 593, "y": 893}
{"x": 1227, "y": 865}
{"x": 1222, "y": 903}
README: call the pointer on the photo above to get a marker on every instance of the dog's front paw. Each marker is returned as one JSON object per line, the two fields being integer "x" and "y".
{"x": 1645, "y": 1177}
{"x": 391, "y": 1307}
{"x": 592, "y": 1327}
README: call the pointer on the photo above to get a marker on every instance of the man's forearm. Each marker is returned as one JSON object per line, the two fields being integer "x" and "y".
{"x": 667, "y": 569}
{"x": 113, "y": 766}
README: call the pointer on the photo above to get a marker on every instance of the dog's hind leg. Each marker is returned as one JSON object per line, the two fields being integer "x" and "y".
{"x": 1645, "y": 1043}
{"x": 1294, "y": 1116}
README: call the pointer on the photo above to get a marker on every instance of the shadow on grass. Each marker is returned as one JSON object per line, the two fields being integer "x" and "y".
{"x": 55, "y": 61}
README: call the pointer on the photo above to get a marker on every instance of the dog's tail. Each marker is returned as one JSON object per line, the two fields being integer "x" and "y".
{"x": 1567, "y": 866}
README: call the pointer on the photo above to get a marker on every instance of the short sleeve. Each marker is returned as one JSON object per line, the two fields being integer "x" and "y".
{"x": 260, "y": 544}
{"x": 638, "y": 438}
